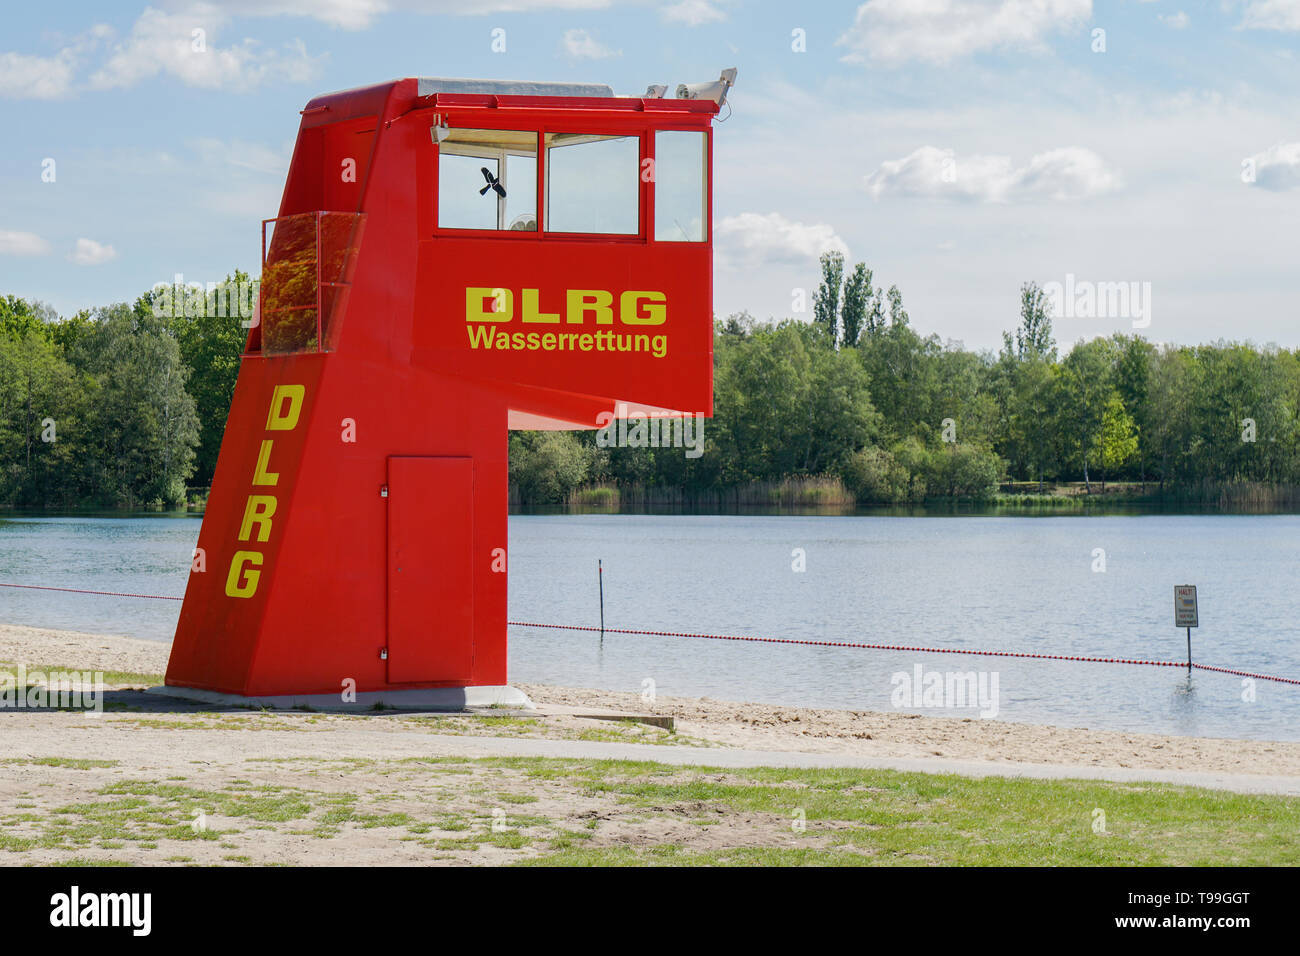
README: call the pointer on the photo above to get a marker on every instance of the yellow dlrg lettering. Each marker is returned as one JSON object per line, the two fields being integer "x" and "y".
{"x": 489, "y": 304}
{"x": 629, "y": 312}
{"x": 258, "y": 510}
{"x": 578, "y": 302}
{"x": 241, "y": 582}
{"x": 635, "y": 307}
{"x": 262, "y": 476}
{"x": 531, "y": 313}
{"x": 278, "y": 419}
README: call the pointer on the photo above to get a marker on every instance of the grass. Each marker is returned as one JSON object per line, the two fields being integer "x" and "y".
{"x": 594, "y": 498}
{"x": 71, "y": 763}
{"x": 671, "y": 854}
{"x": 614, "y": 813}
{"x": 886, "y": 817}
{"x": 110, "y": 677}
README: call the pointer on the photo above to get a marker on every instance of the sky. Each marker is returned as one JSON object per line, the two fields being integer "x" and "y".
{"x": 960, "y": 148}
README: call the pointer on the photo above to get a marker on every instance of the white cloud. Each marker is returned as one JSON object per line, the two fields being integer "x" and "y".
{"x": 693, "y": 13}
{"x": 939, "y": 31}
{"x": 1069, "y": 173}
{"x": 345, "y": 14}
{"x": 1180, "y": 220}
{"x": 36, "y": 77}
{"x": 22, "y": 244}
{"x": 752, "y": 239}
{"x": 1174, "y": 21}
{"x": 91, "y": 253}
{"x": 163, "y": 41}
{"x": 184, "y": 45}
{"x": 47, "y": 77}
{"x": 1271, "y": 15}
{"x": 581, "y": 45}
{"x": 361, "y": 14}
{"x": 1278, "y": 167}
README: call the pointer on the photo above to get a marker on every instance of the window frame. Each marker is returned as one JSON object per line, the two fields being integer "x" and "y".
{"x": 642, "y": 212}
{"x": 500, "y": 154}
{"x": 706, "y": 180}
{"x": 631, "y": 125}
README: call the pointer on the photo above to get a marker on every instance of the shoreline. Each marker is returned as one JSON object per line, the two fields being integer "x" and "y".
{"x": 768, "y": 727}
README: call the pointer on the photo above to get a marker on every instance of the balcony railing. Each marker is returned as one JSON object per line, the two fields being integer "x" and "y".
{"x": 308, "y": 261}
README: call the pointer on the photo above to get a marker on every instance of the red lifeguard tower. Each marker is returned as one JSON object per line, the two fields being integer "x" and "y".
{"x": 451, "y": 259}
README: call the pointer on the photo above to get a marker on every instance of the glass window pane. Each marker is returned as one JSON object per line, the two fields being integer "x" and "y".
{"x": 521, "y": 192}
{"x": 459, "y": 204}
{"x": 680, "y": 193}
{"x": 593, "y": 183}
{"x": 487, "y": 179}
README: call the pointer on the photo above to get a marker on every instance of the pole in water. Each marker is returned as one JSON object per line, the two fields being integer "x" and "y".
{"x": 1189, "y": 649}
{"x": 600, "y": 576}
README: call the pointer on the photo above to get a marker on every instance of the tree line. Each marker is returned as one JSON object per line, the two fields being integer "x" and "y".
{"x": 114, "y": 407}
{"x": 118, "y": 407}
{"x": 858, "y": 394}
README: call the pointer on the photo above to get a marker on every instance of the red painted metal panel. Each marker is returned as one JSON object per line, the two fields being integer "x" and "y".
{"x": 430, "y": 569}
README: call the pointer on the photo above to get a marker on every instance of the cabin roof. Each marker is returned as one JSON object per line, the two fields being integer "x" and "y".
{"x": 429, "y": 85}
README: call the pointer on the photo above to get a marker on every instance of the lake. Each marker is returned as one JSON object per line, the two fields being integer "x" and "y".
{"x": 988, "y": 583}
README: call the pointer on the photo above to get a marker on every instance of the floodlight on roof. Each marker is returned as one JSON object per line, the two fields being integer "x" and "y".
{"x": 655, "y": 91}
{"x": 716, "y": 91}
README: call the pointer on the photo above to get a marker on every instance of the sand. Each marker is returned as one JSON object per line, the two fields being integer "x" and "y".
{"x": 768, "y": 727}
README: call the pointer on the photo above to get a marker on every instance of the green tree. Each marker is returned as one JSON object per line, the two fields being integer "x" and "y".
{"x": 826, "y": 306}
{"x": 41, "y": 414}
{"x": 1031, "y": 420}
{"x": 1034, "y": 336}
{"x": 785, "y": 405}
{"x": 874, "y": 476}
{"x": 897, "y": 314}
{"x": 143, "y": 428}
{"x": 546, "y": 466}
{"x": 19, "y": 318}
{"x": 1132, "y": 377}
{"x": 1084, "y": 387}
{"x": 211, "y": 346}
{"x": 1167, "y": 425}
{"x": 857, "y": 307}
{"x": 1117, "y": 441}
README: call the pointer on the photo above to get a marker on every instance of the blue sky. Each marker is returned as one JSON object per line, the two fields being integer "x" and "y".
{"x": 958, "y": 147}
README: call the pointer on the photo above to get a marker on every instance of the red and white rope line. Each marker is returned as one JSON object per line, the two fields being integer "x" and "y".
{"x": 918, "y": 650}
{"x": 779, "y": 640}
{"x": 38, "y": 587}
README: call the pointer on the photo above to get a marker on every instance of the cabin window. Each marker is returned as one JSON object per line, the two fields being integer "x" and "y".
{"x": 681, "y": 186}
{"x": 593, "y": 183}
{"x": 487, "y": 179}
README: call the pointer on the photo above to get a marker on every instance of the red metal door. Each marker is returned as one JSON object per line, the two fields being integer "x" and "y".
{"x": 430, "y": 569}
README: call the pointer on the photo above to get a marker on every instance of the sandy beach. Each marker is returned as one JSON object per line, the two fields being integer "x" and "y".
{"x": 768, "y": 727}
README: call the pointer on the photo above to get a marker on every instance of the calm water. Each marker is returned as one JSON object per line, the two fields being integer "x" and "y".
{"x": 997, "y": 583}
